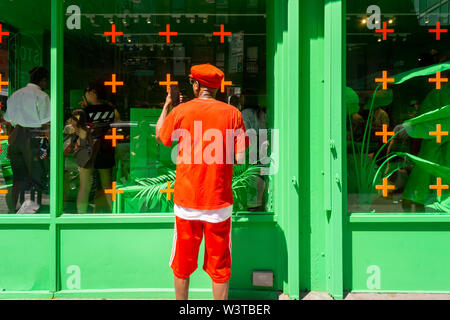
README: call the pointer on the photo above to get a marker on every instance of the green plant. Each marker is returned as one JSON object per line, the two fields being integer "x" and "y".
{"x": 365, "y": 173}
{"x": 148, "y": 189}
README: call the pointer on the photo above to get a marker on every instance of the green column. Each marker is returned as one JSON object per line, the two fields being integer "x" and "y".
{"x": 334, "y": 125}
{"x": 285, "y": 46}
{"x": 56, "y": 159}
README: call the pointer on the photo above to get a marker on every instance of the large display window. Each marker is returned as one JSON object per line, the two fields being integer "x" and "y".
{"x": 120, "y": 60}
{"x": 398, "y": 97}
{"x": 24, "y": 108}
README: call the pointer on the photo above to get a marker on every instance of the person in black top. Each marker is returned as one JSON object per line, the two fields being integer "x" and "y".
{"x": 101, "y": 155}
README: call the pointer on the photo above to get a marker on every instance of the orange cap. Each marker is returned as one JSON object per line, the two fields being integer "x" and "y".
{"x": 208, "y": 75}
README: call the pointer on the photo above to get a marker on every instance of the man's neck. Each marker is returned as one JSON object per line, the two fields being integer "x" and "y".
{"x": 206, "y": 95}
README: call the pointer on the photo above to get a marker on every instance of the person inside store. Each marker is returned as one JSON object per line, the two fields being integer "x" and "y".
{"x": 254, "y": 118}
{"x": 93, "y": 153}
{"x": 203, "y": 199}
{"x": 28, "y": 116}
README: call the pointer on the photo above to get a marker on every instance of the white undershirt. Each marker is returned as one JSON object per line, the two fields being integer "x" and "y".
{"x": 28, "y": 107}
{"x": 212, "y": 216}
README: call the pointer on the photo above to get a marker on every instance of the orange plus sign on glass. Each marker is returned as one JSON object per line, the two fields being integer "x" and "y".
{"x": 385, "y": 134}
{"x": 2, "y": 33}
{"x": 384, "y": 30}
{"x": 438, "y": 80}
{"x": 168, "y": 191}
{"x": 439, "y": 187}
{"x": 385, "y": 80}
{"x": 3, "y": 83}
{"x": 114, "y": 137}
{"x": 385, "y": 187}
{"x": 168, "y": 34}
{"x": 438, "y": 30}
{"x": 225, "y": 84}
{"x": 222, "y": 33}
{"x": 168, "y": 83}
{"x": 114, "y": 191}
{"x": 113, "y": 33}
{"x": 438, "y": 133}
{"x": 114, "y": 83}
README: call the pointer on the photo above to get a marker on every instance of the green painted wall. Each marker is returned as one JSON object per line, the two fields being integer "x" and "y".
{"x": 398, "y": 257}
{"x": 312, "y": 211}
{"x": 24, "y": 256}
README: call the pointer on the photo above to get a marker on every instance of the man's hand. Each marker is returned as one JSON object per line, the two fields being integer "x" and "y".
{"x": 168, "y": 103}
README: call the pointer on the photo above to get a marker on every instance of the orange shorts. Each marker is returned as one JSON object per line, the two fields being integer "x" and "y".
{"x": 187, "y": 238}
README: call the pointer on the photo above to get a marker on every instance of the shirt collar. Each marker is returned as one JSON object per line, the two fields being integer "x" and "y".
{"x": 34, "y": 86}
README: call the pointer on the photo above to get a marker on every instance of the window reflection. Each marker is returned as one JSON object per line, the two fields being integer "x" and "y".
{"x": 397, "y": 91}
{"x": 24, "y": 107}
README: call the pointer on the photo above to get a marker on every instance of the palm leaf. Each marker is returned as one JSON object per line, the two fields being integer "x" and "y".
{"x": 148, "y": 189}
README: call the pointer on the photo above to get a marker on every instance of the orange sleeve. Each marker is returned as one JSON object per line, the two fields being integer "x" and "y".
{"x": 167, "y": 128}
{"x": 241, "y": 140}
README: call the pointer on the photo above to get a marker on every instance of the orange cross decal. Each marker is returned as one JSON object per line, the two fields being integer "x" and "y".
{"x": 168, "y": 83}
{"x": 3, "y": 83}
{"x": 438, "y": 133}
{"x": 114, "y": 137}
{"x": 168, "y": 34}
{"x": 385, "y": 133}
{"x": 2, "y": 138}
{"x": 169, "y": 191}
{"x": 438, "y": 30}
{"x": 439, "y": 187}
{"x": 113, "y": 33}
{"x": 222, "y": 33}
{"x": 385, "y": 187}
{"x": 438, "y": 80}
{"x": 384, "y": 30}
{"x": 2, "y": 33}
{"x": 113, "y": 191}
{"x": 225, "y": 83}
{"x": 385, "y": 80}
{"x": 114, "y": 83}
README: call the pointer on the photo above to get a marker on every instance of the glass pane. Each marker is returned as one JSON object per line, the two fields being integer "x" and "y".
{"x": 121, "y": 58}
{"x": 24, "y": 106}
{"x": 397, "y": 105}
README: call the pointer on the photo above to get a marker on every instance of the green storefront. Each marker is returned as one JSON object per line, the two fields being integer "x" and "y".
{"x": 306, "y": 74}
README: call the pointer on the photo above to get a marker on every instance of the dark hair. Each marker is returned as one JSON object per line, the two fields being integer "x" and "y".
{"x": 38, "y": 74}
{"x": 234, "y": 100}
{"x": 81, "y": 122}
{"x": 250, "y": 99}
{"x": 99, "y": 87}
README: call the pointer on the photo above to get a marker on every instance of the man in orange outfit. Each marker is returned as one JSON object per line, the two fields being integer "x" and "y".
{"x": 203, "y": 194}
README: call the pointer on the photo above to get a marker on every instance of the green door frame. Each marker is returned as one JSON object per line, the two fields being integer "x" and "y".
{"x": 334, "y": 126}
{"x": 285, "y": 99}
{"x": 57, "y": 112}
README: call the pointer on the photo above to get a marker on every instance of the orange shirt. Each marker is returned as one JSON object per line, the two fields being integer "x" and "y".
{"x": 209, "y": 132}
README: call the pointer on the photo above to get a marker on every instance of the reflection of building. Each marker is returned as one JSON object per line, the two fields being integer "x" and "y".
{"x": 429, "y": 12}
